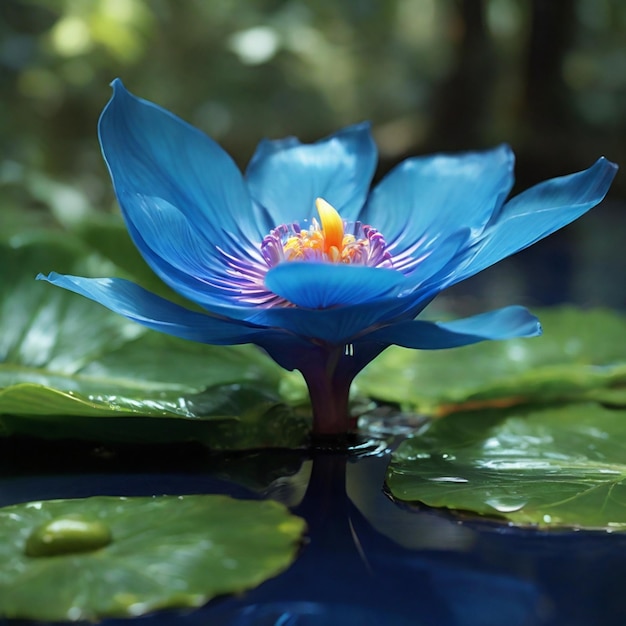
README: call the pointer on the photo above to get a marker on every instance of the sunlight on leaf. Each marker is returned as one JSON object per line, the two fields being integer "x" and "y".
{"x": 65, "y": 360}
{"x": 577, "y": 357}
{"x": 224, "y": 417}
{"x": 548, "y": 466}
{"x": 129, "y": 556}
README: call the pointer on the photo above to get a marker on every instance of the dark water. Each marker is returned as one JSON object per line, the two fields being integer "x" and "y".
{"x": 367, "y": 559}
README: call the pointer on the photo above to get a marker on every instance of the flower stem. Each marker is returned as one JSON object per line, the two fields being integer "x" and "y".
{"x": 330, "y": 407}
{"x": 329, "y": 392}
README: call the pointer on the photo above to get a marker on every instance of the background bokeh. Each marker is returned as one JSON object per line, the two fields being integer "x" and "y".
{"x": 432, "y": 75}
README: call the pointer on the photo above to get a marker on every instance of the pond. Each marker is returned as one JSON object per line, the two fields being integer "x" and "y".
{"x": 97, "y": 406}
{"x": 366, "y": 559}
{"x": 484, "y": 486}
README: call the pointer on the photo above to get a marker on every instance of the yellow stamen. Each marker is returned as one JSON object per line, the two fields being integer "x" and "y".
{"x": 326, "y": 241}
{"x": 332, "y": 227}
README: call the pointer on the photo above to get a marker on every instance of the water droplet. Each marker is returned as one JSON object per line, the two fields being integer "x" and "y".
{"x": 506, "y": 505}
{"x": 449, "y": 479}
{"x": 67, "y": 535}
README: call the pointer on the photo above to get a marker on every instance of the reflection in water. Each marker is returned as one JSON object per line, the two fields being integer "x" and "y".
{"x": 356, "y": 564}
{"x": 367, "y": 560}
{"x": 364, "y": 483}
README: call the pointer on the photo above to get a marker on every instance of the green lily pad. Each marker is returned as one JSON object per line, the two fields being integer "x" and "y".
{"x": 56, "y": 339}
{"x": 579, "y": 357}
{"x": 226, "y": 417}
{"x": 65, "y": 360}
{"x": 550, "y": 466}
{"x": 109, "y": 556}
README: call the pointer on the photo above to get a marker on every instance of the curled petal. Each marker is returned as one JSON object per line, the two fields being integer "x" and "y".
{"x": 152, "y": 153}
{"x": 141, "y": 306}
{"x": 325, "y": 285}
{"x": 537, "y": 213}
{"x": 285, "y": 177}
{"x": 506, "y": 323}
{"x": 425, "y": 196}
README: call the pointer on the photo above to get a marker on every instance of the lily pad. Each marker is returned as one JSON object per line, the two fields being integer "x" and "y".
{"x": 53, "y": 338}
{"x": 227, "y": 417}
{"x": 65, "y": 360}
{"x": 109, "y": 556}
{"x": 578, "y": 357}
{"x": 550, "y": 466}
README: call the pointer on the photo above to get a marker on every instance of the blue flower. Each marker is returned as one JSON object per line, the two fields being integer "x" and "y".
{"x": 297, "y": 255}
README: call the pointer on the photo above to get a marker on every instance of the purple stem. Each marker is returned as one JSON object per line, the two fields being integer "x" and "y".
{"x": 329, "y": 372}
{"x": 329, "y": 392}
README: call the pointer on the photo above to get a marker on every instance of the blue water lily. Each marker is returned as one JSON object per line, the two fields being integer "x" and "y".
{"x": 299, "y": 257}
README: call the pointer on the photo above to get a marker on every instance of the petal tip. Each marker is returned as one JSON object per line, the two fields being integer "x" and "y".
{"x": 363, "y": 126}
{"x": 362, "y": 130}
{"x": 602, "y": 173}
{"x": 533, "y": 325}
{"x": 51, "y": 277}
{"x": 505, "y": 148}
{"x": 609, "y": 165}
{"x": 119, "y": 93}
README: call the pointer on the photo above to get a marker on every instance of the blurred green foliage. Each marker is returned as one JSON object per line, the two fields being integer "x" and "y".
{"x": 242, "y": 70}
{"x": 547, "y": 77}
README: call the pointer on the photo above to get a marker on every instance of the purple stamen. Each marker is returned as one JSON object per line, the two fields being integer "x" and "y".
{"x": 245, "y": 278}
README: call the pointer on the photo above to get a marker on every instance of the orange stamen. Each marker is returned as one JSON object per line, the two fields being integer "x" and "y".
{"x": 332, "y": 227}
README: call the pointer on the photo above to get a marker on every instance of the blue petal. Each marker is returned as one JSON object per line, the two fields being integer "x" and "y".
{"x": 432, "y": 260}
{"x": 334, "y": 326}
{"x": 325, "y": 285}
{"x": 507, "y": 323}
{"x": 288, "y": 351}
{"x": 185, "y": 260}
{"x": 285, "y": 177}
{"x": 167, "y": 233}
{"x": 141, "y": 306}
{"x": 442, "y": 193}
{"x": 151, "y": 152}
{"x": 537, "y": 213}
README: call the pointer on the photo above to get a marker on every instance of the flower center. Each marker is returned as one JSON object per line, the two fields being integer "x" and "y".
{"x": 331, "y": 240}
